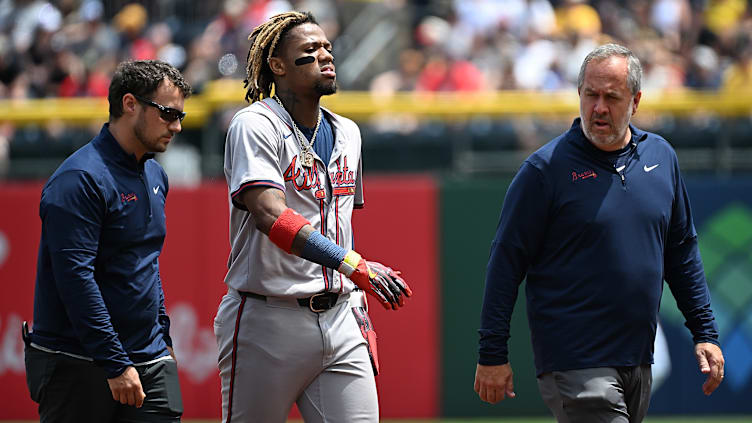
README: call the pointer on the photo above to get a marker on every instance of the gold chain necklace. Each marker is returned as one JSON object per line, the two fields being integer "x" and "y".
{"x": 306, "y": 157}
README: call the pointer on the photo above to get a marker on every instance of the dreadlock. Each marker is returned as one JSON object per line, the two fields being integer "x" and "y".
{"x": 264, "y": 40}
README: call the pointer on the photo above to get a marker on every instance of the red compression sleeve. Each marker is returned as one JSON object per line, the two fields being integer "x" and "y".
{"x": 285, "y": 228}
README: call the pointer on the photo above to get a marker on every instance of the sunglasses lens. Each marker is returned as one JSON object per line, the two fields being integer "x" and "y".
{"x": 171, "y": 115}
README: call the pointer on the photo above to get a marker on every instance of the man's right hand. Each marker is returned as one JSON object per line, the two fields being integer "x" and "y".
{"x": 494, "y": 383}
{"x": 126, "y": 388}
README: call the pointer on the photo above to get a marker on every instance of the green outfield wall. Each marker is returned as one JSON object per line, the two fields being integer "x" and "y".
{"x": 722, "y": 210}
{"x": 469, "y": 213}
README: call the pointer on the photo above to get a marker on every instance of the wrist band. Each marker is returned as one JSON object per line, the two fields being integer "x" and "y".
{"x": 323, "y": 251}
{"x": 285, "y": 228}
{"x": 349, "y": 263}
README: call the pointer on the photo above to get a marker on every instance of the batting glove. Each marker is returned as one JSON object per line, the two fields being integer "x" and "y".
{"x": 392, "y": 280}
{"x": 375, "y": 284}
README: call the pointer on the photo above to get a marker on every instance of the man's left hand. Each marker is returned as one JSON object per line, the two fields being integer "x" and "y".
{"x": 710, "y": 359}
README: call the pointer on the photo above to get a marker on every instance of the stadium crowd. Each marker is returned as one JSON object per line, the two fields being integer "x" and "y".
{"x": 540, "y": 44}
{"x": 69, "y": 48}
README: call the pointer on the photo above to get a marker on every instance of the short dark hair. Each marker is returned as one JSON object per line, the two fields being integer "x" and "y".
{"x": 141, "y": 78}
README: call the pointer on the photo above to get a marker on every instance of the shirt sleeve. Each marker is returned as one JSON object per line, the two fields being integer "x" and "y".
{"x": 251, "y": 155}
{"x": 72, "y": 212}
{"x": 683, "y": 269}
{"x": 519, "y": 236}
{"x": 164, "y": 319}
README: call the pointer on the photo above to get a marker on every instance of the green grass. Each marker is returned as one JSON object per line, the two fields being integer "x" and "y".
{"x": 706, "y": 419}
{"x": 673, "y": 419}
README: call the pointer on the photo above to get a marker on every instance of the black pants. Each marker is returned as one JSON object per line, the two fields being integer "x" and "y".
{"x": 73, "y": 390}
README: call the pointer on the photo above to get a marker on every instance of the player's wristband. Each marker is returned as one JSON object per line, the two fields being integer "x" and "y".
{"x": 321, "y": 250}
{"x": 285, "y": 228}
{"x": 349, "y": 263}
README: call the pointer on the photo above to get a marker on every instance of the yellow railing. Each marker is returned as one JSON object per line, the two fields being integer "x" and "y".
{"x": 362, "y": 105}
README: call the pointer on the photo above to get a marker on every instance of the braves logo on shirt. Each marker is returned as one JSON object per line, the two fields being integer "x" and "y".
{"x": 127, "y": 198}
{"x": 583, "y": 175}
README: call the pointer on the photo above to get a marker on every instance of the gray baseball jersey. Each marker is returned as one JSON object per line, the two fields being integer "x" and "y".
{"x": 318, "y": 360}
{"x": 263, "y": 150}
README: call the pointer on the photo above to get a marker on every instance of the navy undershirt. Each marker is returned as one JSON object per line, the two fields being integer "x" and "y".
{"x": 324, "y": 143}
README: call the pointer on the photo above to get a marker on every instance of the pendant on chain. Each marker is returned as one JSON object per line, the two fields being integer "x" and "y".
{"x": 307, "y": 159}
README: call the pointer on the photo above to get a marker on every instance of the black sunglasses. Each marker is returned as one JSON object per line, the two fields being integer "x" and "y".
{"x": 168, "y": 114}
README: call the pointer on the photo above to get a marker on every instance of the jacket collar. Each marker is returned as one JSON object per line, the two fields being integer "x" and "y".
{"x": 107, "y": 143}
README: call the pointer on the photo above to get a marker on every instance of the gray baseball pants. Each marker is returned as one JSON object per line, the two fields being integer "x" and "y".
{"x": 601, "y": 394}
{"x": 273, "y": 353}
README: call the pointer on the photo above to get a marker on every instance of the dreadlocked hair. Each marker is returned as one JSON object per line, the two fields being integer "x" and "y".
{"x": 264, "y": 40}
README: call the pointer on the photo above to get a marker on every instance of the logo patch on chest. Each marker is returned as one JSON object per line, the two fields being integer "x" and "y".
{"x": 127, "y": 198}
{"x": 583, "y": 175}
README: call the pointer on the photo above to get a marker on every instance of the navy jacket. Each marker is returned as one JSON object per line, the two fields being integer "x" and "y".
{"x": 595, "y": 234}
{"x": 98, "y": 292}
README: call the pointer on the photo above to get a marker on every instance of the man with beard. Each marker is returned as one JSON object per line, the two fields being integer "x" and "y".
{"x": 101, "y": 350}
{"x": 293, "y": 326}
{"x": 596, "y": 220}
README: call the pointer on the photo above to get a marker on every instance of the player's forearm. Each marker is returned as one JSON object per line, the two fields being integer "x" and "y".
{"x": 301, "y": 238}
{"x": 291, "y": 229}
{"x": 288, "y": 229}
{"x": 294, "y": 234}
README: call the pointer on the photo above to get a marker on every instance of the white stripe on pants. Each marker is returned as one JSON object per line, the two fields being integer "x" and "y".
{"x": 285, "y": 354}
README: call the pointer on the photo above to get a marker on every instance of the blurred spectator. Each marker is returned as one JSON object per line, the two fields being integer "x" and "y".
{"x": 405, "y": 78}
{"x": 738, "y": 77}
{"x": 131, "y": 21}
{"x": 444, "y": 74}
{"x": 671, "y": 18}
{"x": 703, "y": 71}
{"x": 723, "y": 16}
{"x": 578, "y": 17}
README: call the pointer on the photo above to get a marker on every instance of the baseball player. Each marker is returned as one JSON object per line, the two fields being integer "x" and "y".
{"x": 293, "y": 326}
